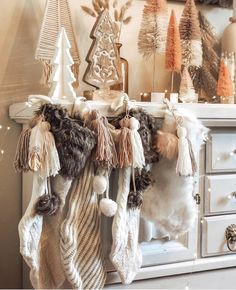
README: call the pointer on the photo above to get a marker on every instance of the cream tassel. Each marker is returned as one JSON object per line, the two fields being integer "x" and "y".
{"x": 184, "y": 163}
{"x": 138, "y": 159}
{"x": 43, "y": 155}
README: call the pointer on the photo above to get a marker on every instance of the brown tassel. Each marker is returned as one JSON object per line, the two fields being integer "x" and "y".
{"x": 22, "y": 151}
{"x": 105, "y": 150}
{"x": 124, "y": 145}
{"x": 192, "y": 156}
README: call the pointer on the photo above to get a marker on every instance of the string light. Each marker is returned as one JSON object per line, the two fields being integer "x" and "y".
{"x": 28, "y": 104}
{"x": 7, "y": 129}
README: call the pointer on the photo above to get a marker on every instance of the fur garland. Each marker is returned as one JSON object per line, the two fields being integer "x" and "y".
{"x": 147, "y": 131}
{"x": 74, "y": 143}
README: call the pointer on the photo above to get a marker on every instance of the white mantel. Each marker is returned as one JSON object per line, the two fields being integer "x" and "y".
{"x": 210, "y": 114}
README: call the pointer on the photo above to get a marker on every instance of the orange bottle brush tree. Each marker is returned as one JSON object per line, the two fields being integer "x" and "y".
{"x": 173, "y": 48}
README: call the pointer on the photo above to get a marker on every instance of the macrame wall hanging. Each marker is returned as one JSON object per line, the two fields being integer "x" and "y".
{"x": 57, "y": 15}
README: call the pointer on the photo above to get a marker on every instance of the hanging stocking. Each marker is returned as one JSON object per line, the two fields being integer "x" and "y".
{"x": 51, "y": 272}
{"x": 125, "y": 252}
{"x": 81, "y": 251}
{"x": 30, "y": 228}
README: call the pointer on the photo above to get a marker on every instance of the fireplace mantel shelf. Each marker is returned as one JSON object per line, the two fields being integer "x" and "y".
{"x": 220, "y": 113}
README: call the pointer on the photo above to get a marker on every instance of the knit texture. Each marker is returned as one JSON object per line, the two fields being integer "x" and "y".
{"x": 51, "y": 272}
{"x": 30, "y": 228}
{"x": 125, "y": 252}
{"x": 81, "y": 251}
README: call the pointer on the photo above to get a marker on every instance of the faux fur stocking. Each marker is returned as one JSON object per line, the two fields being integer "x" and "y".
{"x": 81, "y": 251}
{"x": 125, "y": 252}
{"x": 30, "y": 228}
{"x": 169, "y": 202}
{"x": 51, "y": 272}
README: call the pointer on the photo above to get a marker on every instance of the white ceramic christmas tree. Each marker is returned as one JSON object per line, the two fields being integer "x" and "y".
{"x": 62, "y": 76}
{"x": 186, "y": 90}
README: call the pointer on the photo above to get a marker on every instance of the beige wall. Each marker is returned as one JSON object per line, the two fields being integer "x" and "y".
{"x": 19, "y": 76}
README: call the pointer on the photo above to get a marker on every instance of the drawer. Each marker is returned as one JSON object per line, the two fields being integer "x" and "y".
{"x": 221, "y": 152}
{"x": 213, "y": 235}
{"x": 220, "y": 194}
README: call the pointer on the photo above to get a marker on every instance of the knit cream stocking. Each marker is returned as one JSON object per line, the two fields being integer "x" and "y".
{"x": 51, "y": 273}
{"x": 81, "y": 251}
{"x": 125, "y": 252}
{"x": 30, "y": 228}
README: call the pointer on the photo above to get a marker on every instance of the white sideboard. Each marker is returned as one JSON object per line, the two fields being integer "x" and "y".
{"x": 205, "y": 247}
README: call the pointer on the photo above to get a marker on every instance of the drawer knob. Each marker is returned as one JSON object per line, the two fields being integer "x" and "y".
{"x": 230, "y": 234}
{"x": 232, "y": 196}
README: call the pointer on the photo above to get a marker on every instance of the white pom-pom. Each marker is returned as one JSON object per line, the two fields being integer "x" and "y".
{"x": 181, "y": 132}
{"x": 134, "y": 124}
{"x": 108, "y": 207}
{"x": 99, "y": 184}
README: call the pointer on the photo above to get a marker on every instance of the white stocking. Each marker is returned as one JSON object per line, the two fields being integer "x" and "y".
{"x": 125, "y": 252}
{"x": 30, "y": 228}
{"x": 51, "y": 272}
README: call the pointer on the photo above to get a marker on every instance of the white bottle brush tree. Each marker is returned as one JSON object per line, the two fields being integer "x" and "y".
{"x": 186, "y": 90}
{"x": 62, "y": 76}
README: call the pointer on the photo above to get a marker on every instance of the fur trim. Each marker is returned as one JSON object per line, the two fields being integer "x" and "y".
{"x": 74, "y": 143}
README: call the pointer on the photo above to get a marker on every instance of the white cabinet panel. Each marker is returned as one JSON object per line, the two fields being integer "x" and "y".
{"x": 221, "y": 152}
{"x": 220, "y": 194}
{"x": 213, "y": 235}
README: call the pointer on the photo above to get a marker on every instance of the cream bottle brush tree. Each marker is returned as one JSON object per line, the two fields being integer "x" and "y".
{"x": 190, "y": 35}
{"x": 62, "y": 76}
{"x": 186, "y": 91}
{"x": 153, "y": 31}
